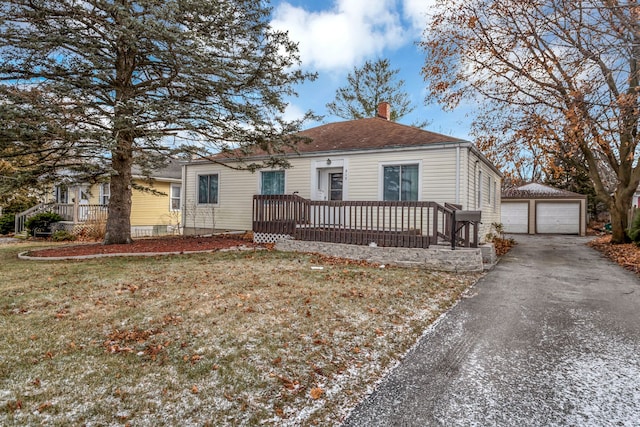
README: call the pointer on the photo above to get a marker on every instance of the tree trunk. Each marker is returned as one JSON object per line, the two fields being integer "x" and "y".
{"x": 124, "y": 130}
{"x": 119, "y": 220}
{"x": 619, "y": 219}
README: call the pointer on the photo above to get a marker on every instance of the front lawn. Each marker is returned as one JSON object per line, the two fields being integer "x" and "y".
{"x": 236, "y": 338}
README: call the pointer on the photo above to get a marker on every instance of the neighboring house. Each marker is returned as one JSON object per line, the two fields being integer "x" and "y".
{"x": 372, "y": 160}
{"x": 540, "y": 209}
{"x": 636, "y": 198}
{"x": 151, "y": 214}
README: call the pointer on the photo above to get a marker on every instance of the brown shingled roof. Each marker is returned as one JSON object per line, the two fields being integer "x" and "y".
{"x": 362, "y": 134}
{"x": 368, "y": 134}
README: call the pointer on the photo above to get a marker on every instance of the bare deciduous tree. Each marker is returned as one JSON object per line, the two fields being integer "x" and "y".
{"x": 556, "y": 79}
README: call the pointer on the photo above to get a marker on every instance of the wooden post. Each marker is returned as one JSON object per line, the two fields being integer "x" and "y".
{"x": 76, "y": 205}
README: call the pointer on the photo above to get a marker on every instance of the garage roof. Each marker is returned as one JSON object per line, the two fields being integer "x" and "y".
{"x": 539, "y": 191}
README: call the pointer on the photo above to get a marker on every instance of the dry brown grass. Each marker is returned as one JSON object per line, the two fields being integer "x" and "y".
{"x": 242, "y": 338}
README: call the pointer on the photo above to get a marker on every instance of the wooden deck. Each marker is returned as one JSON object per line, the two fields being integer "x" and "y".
{"x": 393, "y": 224}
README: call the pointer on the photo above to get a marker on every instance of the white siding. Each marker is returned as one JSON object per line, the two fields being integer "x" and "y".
{"x": 235, "y": 195}
{"x": 480, "y": 174}
{"x": 361, "y": 180}
{"x": 235, "y": 189}
{"x": 437, "y": 167}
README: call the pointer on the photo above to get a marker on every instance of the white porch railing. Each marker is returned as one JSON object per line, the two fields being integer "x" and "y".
{"x": 74, "y": 213}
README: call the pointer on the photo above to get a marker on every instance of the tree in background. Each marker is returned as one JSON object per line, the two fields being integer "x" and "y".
{"x": 93, "y": 87}
{"x": 556, "y": 79}
{"x": 576, "y": 180}
{"x": 367, "y": 87}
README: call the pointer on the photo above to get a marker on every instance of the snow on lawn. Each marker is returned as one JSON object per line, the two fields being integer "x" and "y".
{"x": 242, "y": 338}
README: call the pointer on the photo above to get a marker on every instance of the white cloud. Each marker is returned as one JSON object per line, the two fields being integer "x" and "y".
{"x": 417, "y": 12}
{"x": 339, "y": 38}
{"x": 293, "y": 112}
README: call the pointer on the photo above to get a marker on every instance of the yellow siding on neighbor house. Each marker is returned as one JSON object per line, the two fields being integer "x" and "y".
{"x": 147, "y": 209}
{"x": 150, "y": 209}
{"x": 94, "y": 194}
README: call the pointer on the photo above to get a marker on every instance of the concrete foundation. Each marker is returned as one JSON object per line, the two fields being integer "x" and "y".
{"x": 437, "y": 258}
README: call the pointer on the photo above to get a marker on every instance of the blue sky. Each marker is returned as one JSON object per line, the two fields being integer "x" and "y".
{"x": 336, "y": 35}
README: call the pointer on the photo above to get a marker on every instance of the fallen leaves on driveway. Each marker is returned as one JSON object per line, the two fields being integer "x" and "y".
{"x": 627, "y": 255}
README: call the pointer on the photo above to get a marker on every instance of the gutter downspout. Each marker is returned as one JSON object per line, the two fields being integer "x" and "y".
{"x": 475, "y": 185}
{"x": 458, "y": 175}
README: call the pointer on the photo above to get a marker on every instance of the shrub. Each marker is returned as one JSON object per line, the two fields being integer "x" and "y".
{"x": 496, "y": 232}
{"x": 62, "y": 236}
{"x": 634, "y": 230}
{"x": 42, "y": 220}
{"x": 7, "y": 223}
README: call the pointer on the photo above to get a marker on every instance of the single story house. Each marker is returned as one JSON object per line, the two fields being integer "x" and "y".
{"x": 155, "y": 212}
{"x": 540, "y": 209}
{"x": 369, "y": 161}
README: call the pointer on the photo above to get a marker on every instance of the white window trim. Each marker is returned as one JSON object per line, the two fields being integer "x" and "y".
{"x": 198, "y": 188}
{"x": 495, "y": 194}
{"x": 61, "y": 191}
{"x": 381, "y": 167}
{"x": 270, "y": 170}
{"x": 479, "y": 190}
{"x": 179, "y": 196}
{"x": 102, "y": 192}
{"x": 329, "y": 163}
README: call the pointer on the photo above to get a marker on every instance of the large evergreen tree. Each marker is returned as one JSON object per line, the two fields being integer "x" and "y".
{"x": 96, "y": 86}
{"x": 368, "y": 86}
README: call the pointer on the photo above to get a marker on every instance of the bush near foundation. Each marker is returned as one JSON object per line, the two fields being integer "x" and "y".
{"x": 42, "y": 221}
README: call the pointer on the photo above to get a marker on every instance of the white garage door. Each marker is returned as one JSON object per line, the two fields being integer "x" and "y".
{"x": 558, "y": 217}
{"x": 515, "y": 217}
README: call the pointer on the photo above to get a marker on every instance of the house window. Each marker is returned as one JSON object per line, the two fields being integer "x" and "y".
{"x": 208, "y": 189}
{"x": 105, "y": 193}
{"x": 175, "y": 197}
{"x": 489, "y": 190}
{"x": 479, "y": 191}
{"x": 400, "y": 182}
{"x": 272, "y": 182}
{"x": 61, "y": 194}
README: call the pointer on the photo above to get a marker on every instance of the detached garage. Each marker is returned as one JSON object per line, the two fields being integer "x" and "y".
{"x": 540, "y": 209}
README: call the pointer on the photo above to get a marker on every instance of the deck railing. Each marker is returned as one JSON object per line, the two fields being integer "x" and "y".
{"x": 412, "y": 224}
{"x": 70, "y": 212}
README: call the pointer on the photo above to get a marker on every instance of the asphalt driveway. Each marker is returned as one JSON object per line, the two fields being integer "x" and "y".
{"x": 550, "y": 337}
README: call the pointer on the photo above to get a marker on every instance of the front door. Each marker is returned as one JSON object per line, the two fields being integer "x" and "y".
{"x": 330, "y": 188}
{"x": 330, "y": 184}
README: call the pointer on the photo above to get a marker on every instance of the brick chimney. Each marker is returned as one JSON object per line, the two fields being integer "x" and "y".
{"x": 384, "y": 110}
